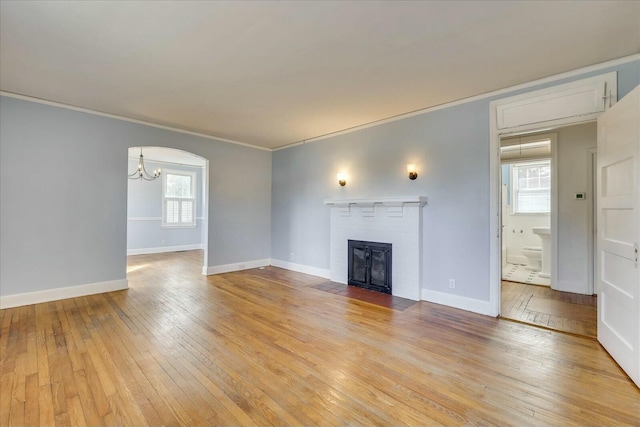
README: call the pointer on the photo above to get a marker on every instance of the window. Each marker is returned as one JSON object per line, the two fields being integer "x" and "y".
{"x": 178, "y": 199}
{"x": 532, "y": 187}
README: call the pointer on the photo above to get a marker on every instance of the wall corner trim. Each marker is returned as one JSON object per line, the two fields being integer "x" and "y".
{"x": 236, "y": 266}
{"x": 300, "y": 268}
{"x": 48, "y": 295}
{"x": 457, "y": 301}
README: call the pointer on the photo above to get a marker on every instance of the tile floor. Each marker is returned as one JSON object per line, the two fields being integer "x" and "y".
{"x": 366, "y": 295}
{"x": 520, "y": 273}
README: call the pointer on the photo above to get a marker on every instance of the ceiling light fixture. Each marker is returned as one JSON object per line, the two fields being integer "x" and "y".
{"x": 141, "y": 172}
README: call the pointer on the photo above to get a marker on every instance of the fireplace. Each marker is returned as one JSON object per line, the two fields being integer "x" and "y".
{"x": 370, "y": 265}
{"x": 394, "y": 220}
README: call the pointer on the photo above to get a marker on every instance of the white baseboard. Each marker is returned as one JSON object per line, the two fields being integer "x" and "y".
{"x": 154, "y": 218}
{"x": 236, "y": 266}
{"x": 162, "y": 249}
{"x": 573, "y": 287}
{"x": 300, "y": 268}
{"x": 457, "y": 301}
{"x": 28, "y": 298}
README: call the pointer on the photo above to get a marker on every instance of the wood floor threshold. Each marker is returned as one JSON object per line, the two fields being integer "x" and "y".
{"x": 548, "y": 308}
{"x": 528, "y": 284}
{"x": 548, "y": 328}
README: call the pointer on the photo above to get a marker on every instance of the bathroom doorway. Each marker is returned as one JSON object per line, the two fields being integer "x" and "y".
{"x": 526, "y": 173}
{"x": 547, "y": 228}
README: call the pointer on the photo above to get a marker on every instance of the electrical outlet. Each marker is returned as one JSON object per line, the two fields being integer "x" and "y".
{"x": 292, "y": 257}
{"x": 452, "y": 283}
{"x": 163, "y": 242}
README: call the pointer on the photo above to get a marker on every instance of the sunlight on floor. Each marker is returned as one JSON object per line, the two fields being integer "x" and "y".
{"x": 135, "y": 268}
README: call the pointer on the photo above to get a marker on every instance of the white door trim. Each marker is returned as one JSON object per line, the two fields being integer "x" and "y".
{"x": 592, "y": 154}
{"x": 554, "y": 209}
{"x": 495, "y": 214}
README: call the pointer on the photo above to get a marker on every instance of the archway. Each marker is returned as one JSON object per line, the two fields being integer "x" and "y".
{"x": 166, "y": 211}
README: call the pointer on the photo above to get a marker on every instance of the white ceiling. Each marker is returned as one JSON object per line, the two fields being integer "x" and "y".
{"x": 276, "y": 73}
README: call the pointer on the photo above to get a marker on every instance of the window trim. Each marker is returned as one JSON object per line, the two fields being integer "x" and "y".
{"x": 514, "y": 186}
{"x": 193, "y": 176}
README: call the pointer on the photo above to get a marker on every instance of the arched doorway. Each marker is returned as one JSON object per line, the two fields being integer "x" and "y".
{"x": 167, "y": 207}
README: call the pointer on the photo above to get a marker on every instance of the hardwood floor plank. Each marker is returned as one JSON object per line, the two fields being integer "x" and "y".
{"x": 32, "y": 401}
{"x": 151, "y": 404}
{"x": 98, "y": 365}
{"x": 87, "y": 402}
{"x": 99, "y": 398}
{"x": 6, "y": 383}
{"x": 17, "y": 413}
{"x": 76, "y": 414}
{"x": 263, "y": 347}
{"x": 45, "y": 406}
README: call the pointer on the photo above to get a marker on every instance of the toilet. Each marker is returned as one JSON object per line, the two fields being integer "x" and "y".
{"x": 534, "y": 257}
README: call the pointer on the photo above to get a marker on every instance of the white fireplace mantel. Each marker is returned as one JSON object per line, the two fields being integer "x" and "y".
{"x": 387, "y": 201}
{"x": 395, "y": 220}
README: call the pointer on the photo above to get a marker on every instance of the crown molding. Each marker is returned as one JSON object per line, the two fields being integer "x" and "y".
{"x": 555, "y": 77}
{"x": 125, "y": 119}
{"x": 549, "y": 79}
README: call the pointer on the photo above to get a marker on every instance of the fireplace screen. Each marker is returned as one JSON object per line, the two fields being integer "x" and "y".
{"x": 370, "y": 265}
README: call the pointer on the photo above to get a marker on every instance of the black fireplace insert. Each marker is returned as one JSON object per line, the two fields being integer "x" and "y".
{"x": 370, "y": 265}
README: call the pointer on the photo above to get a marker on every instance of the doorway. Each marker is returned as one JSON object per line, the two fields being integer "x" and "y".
{"x": 528, "y": 183}
{"x": 576, "y": 102}
{"x": 547, "y": 229}
{"x": 167, "y": 208}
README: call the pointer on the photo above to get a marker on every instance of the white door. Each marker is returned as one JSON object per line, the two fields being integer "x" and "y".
{"x": 619, "y": 232}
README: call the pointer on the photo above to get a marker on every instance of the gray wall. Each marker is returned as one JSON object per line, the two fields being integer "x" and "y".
{"x": 63, "y": 192}
{"x": 574, "y": 250}
{"x": 63, "y": 196}
{"x": 452, "y": 172}
{"x": 451, "y": 147}
{"x": 144, "y": 201}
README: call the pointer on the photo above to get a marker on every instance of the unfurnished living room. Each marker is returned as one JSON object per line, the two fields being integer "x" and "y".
{"x": 319, "y": 213}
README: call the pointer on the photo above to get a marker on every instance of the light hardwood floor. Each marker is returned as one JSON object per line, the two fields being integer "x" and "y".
{"x": 262, "y": 347}
{"x": 543, "y": 306}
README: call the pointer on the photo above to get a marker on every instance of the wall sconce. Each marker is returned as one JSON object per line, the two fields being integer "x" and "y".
{"x": 411, "y": 168}
{"x": 342, "y": 180}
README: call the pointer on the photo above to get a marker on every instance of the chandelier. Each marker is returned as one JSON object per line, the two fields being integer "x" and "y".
{"x": 141, "y": 172}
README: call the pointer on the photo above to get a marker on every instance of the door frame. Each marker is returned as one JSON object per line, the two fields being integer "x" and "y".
{"x": 534, "y": 125}
{"x": 592, "y": 164}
